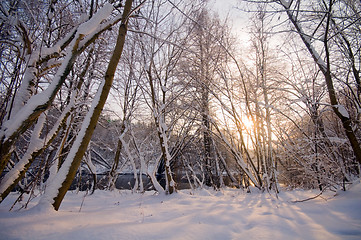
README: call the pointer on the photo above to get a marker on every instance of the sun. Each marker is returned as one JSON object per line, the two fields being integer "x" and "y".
{"x": 247, "y": 123}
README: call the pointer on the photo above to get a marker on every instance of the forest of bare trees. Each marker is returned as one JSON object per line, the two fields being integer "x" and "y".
{"x": 164, "y": 91}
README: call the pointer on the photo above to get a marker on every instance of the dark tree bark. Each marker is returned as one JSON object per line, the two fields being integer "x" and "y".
{"x": 94, "y": 115}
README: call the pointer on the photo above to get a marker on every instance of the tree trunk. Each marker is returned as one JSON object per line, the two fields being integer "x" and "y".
{"x": 339, "y": 110}
{"x": 7, "y": 142}
{"x": 62, "y": 181}
{"x": 112, "y": 178}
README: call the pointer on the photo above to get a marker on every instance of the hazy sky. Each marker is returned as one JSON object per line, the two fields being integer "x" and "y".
{"x": 238, "y": 19}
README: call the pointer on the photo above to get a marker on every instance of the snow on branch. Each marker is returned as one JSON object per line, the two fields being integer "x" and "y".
{"x": 52, "y": 189}
{"x": 38, "y": 103}
{"x": 342, "y": 110}
{"x": 305, "y": 38}
{"x": 92, "y": 24}
{"x": 286, "y": 3}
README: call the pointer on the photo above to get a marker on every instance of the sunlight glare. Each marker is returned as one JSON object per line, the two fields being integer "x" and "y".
{"x": 247, "y": 124}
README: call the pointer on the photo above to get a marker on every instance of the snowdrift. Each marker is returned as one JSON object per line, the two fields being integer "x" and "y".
{"x": 199, "y": 214}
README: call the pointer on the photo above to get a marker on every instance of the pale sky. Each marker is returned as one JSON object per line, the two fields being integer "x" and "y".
{"x": 238, "y": 19}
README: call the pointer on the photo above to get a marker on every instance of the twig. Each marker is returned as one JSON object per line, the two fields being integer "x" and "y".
{"x": 82, "y": 202}
{"x": 311, "y": 198}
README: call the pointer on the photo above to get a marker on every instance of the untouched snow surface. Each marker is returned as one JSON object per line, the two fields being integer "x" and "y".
{"x": 227, "y": 214}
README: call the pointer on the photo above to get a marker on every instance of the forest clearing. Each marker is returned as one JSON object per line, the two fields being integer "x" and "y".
{"x": 180, "y": 119}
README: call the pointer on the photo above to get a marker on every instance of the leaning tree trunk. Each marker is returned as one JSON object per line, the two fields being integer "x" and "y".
{"x": 27, "y": 115}
{"x": 36, "y": 147}
{"x": 62, "y": 181}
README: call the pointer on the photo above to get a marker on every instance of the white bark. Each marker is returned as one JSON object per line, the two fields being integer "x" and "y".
{"x": 156, "y": 184}
{"x": 132, "y": 161}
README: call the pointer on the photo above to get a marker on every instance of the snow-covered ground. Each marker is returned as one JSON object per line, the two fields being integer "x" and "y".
{"x": 202, "y": 214}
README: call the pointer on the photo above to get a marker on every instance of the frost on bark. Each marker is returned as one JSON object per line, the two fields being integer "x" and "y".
{"x": 132, "y": 161}
{"x": 129, "y": 100}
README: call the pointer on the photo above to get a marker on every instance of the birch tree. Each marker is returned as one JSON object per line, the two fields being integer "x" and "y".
{"x": 160, "y": 60}
{"x": 327, "y": 32}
